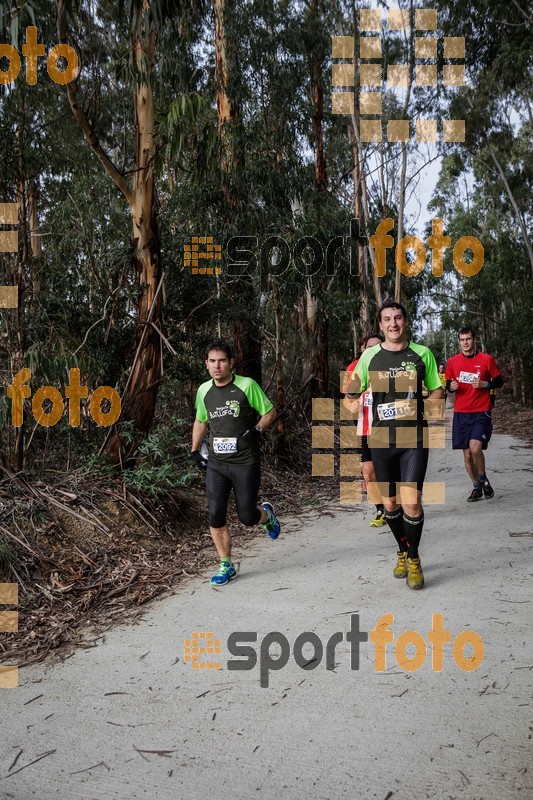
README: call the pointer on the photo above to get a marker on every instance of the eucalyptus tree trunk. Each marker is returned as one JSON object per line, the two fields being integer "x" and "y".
{"x": 23, "y": 259}
{"x": 139, "y": 401}
{"x": 401, "y": 210}
{"x": 364, "y": 314}
{"x": 280, "y": 390}
{"x": 242, "y": 297}
{"x": 403, "y": 170}
{"x": 313, "y": 322}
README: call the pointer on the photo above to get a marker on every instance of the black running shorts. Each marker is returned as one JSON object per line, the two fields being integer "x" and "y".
{"x": 244, "y": 479}
{"x": 366, "y": 455}
{"x": 403, "y": 465}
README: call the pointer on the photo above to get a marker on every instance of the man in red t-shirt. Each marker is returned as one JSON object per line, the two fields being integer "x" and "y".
{"x": 471, "y": 375}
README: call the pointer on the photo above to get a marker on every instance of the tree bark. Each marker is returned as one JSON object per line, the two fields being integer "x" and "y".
{"x": 401, "y": 209}
{"x": 516, "y": 209}
{"x": 139, "y": 402}
{"x": 280, "y": 389}
{"x": 403, "y": 172}
{"x": 241, "y": 294}
{"x": 314, "y": 324}
{"x": 364, "y": 314}
{"x": 23, "y": 258}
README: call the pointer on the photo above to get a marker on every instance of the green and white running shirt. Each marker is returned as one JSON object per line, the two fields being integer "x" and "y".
{"x": 395, "y": 378}
{"x": 230, "y": 410}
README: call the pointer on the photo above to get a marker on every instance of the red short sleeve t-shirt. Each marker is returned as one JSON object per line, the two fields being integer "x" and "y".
{"x": 348, "y": 375}
{"x": 464, "y": 370}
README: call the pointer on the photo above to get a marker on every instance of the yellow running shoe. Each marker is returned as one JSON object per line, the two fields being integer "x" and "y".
{"x": 378, "y": 520}
{"x": 415, "y": 576}
{"x": 400, "y": 570}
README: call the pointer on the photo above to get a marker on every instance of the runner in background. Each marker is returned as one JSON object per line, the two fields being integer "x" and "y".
{"x": 364, "y": 423}
{"x": 237, "y": 411}
{"x": 471, "y": 376}
{"x": 442, "y": 378}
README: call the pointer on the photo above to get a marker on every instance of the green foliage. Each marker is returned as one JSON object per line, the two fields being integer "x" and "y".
{"x": 7, "y": 553}
{"x": 79, "y": 299}
{"x": 161, "y": 461}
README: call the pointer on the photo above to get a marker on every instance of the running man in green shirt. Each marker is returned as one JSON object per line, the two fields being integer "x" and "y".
{"x": 395, "y": 371}
{"x": 237, "y": 411}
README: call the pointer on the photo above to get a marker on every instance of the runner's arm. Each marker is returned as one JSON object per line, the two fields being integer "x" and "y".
{"x": 495, "y": 379}
{"x": 434, "y": 405}
{"x": 495, "y": 383}
{"x": 352, "y": 388}
{"x": 267, "y": 420}
{"x": 450, "y": 377}
{"x": 198, "y": 432}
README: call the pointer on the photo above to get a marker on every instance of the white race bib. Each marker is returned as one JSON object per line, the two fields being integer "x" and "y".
{"x": 468, "y": 377}
{"x": 396, "y": 409}
{"x": 227, "y": 444}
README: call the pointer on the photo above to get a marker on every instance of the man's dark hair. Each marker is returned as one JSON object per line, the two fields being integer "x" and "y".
{"x": 466, "y": 329}
{"x": 219, "y": 344}
{"x": 392, "y": 304}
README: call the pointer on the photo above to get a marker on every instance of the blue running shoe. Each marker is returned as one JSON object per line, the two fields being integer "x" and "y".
{"x": 226, "y": 572}
{"x": 273, "y": 526}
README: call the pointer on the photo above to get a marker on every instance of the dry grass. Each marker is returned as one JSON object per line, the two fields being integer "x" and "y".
{"x": 86, "y": 556}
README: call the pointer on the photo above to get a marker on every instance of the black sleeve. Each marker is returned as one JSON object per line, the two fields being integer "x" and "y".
{"x": 496, "y": 383}
{"x": 448, "y": 386}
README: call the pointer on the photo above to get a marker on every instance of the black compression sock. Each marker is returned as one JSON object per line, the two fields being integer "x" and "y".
{"x": 380, "y": 507}
{"x": 394, "y": 518}
{"x": 413, "y": 532}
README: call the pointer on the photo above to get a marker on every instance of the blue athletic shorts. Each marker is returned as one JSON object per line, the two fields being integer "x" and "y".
{"x": 476, "y": 426}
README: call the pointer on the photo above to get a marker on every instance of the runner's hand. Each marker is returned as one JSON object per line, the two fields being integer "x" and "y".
{"x": 200, "y": 462}
{"x": 454, "y": 386}
{"x": 479, "y": 384}
{"x": 351, "y": 404}
{"x": 252, "y": 436}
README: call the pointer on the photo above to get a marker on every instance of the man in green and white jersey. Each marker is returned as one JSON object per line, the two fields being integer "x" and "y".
{"x": 395, "y": 372}
{"x": 237, "y": 411}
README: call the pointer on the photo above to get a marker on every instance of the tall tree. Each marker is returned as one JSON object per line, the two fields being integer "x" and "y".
{"x": 138, "y": 405}
{"x": 246, "y": 332}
